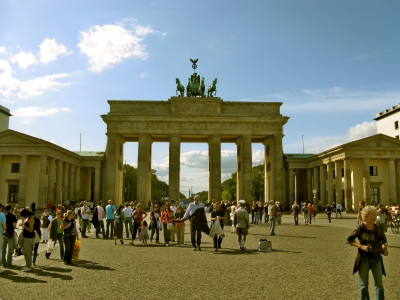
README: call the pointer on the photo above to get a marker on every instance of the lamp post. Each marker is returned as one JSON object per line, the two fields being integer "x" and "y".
{"x": 260, "y": 173}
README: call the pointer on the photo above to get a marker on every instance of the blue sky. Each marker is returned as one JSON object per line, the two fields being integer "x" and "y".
{"x": 333, "y": 64}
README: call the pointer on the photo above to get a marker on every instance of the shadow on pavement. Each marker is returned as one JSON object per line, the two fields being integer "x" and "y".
{"x": 42, "y": 271}
{"x": 90, "y": 265}
{"x": 16, "y": 277}
{"x": 236, "y": 252}
{"x": 277, "y": 250}
{"x": 282, "y": 235}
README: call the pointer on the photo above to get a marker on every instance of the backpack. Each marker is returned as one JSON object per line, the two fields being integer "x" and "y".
{"x": 296, "y": 209}
{"x": 305, "y": 210}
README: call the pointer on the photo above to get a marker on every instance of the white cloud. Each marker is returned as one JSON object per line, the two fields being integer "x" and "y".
{"x": 10, "y": 86}
{"x": 323, "y": 143}
{"x": 195, "y": 159}
{"x": 2, "y": 50}
{"x": 29, "y": 113}
{"x": 110, "y": 44}
{"x": 50, "y": 49}
{"x": 24, "y": 59}
{"x": 258, "y": 158}
{"x": 65, "y": 109}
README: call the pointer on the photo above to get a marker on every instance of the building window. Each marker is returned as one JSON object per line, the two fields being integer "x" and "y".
{"x": 396, "y": 125}
{"x": 15, "y": 168}
{"x": 374, "y": 196}
{"x": 13, "y": 195}
{"x": 373, "y": 170}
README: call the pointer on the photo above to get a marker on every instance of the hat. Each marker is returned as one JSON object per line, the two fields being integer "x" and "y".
{"x": 242, "y": 201}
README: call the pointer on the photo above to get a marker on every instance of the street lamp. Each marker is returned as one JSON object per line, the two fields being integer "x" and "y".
{"x": 260, "y": 173}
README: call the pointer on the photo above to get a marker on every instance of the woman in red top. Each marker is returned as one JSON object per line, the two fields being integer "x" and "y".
{"x": 166, "y": 217}
{"x": 138, "y": 215}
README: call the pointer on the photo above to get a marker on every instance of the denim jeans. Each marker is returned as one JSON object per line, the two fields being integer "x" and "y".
{"x": 363, "y": 273}
{"x": 272, "y": 222}
{"x": 60, "y": 238}
{"x": 166, "y": 233}
{"x": 69, "y": 247}
{"x": 110, "y": 222}
{"x": 128, "y": 226}
{"x": 266, "y": 217}
{"x": 6, "y": 262}
{"x": 255, "y": 217}
{"x": 154, "y": 228}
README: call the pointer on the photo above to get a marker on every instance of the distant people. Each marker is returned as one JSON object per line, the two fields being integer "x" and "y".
{"x": 310, "y": 212}
{"x": 232, "y": 216}
{"x": 138, "y": 216}
{"x": 241, "y": 222}
{"x": 17, "y": 212}
{"x": 128, "y": 219}
{"x": 339, "y": 210}
{"x": 155, "y": 223}
{"x": 166, "y": 218}
{"x": 304, "y": 211}
{"x": 278, "y": 212}
{"x": 144, "y": 233}
{"x": 85, "y": 213}
{"x": 45, "y": 218}
{"x": 97, "y": 219}
{"x": 110, "y": 209}
{"x": 295, "y": 212}
{"x": 328, "y": 212}
{"x": 272, "y": 217}
{"x": 56, "y": 234}
{"x": 371, "y": 245}
{"x": 361, "y": 205}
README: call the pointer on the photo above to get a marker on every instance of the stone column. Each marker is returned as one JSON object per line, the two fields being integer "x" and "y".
{"x": 392, "y": 181}
{"x": 77, "y": 185}
{"x": 88, "y": 184}
{"x": 316, "y": 183}
{"x": 174, "y": 166}
{"x": 144, "y": 170}
{"x": 65, "y": 181}
{"x": 348, "y": 199}
{"x": 59, "y": 180}
{"x": 278, "y": 181}
{"x": 52, "y": 178}
{"x": 113, "y": 168}
{"x": 96, "y": 184}
{"x": 214, "y": 167}
{"x": 244, "y": 169}
{"x": 309, "y": 185}
{"x": 338, "y": 181}
{"x": 322, "y": 184}
{"x": 42, "y": 182}
{"x": 291, "y": 179}
{"x": 22, "y": 181}
{"x": 366, "y": 182}
{"x": 71, "y": 182}
{"x": 329, "y": 182}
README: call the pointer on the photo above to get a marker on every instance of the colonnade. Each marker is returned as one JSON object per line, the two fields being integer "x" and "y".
{"x": 58, "y": 180}
{"x": 347, "y": 181}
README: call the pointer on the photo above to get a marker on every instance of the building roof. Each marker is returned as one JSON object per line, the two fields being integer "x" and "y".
{"x": 89, "y": 153}
{"x": 296, "y": 155}
{"x": 387, "y": 112}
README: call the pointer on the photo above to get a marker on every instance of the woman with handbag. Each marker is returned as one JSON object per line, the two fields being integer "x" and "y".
{"x": 371, "y": 245}
{"x": 166, "y": 219}
{"x": 119, "y": 225}
{"x": 138, "y": 215}
{"x": 68, "y": 227}
{"x": 28, "y": 233}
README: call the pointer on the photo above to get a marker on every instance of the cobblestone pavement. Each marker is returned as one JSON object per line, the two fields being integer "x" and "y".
{"x": 307, "y": 262}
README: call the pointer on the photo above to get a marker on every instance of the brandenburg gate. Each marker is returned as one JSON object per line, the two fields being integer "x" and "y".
{"x": 194, "y": 118}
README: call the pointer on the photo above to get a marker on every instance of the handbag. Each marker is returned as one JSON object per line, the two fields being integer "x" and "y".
{"x": 375, "y": 248}
{"x": 7, "y": 234}
{"x": 170, "y": 226}
{"x": 37, "y": 238}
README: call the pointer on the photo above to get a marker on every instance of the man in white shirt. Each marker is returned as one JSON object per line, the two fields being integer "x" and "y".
{"x": 173, "y": 208}
{"x": 100, "y": 222}
{"x": 128, "y": 220}
{"x": 85, "y": 212}
{"x": 195, "y": 232}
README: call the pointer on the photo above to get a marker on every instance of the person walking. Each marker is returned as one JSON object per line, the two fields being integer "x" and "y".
{"x": 28, "y": 223}
{"x": 328, "y": 212}
{"x": 155, "y": 223}
{"x": 128, "y": 219}
{"x": 218, "y": 215}
{"x": 85, "y": 213}
{"x": 295, "y": 212}
{"x": 241, "y": 222}
{"x": 8, "y": 237}
{"x": 339, "y": 210}
{"x": 110, "y": 209}
{"x": 70, "y": 232}
{"x": 119, "y": 224}
{"x": 304, "y": 210}
{"x": 56, "y": 234}
{"x": 166, "y": 218}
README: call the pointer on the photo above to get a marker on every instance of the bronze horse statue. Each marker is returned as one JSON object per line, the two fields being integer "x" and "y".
{"x": 212, "y": 88}
{"x": 180, "y": 88}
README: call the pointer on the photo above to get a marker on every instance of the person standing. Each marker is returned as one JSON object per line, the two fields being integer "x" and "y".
{"x": 155, "y": 222}
{"x": 310, "y": 212}
{"x": 46, "y": 218}
{"x": 8, "y": 241}
{"x": 328, "y": 212}
{"x": 179, "y": 227}
{"x": 196, "y": 221}
{"x": 68, "y": 227}
{"x": 166, "y": 218}
{"x": 56, "y": 234}
{"x": 304, "y": 210}
{"x": 28, "y": 223}
{"x": 110, "y": 209}
{"x": 119, "y": 225}
{"x": 218, "y": 215}
{"x": 99, "y": 212}
{"x": 371, "y": 245}
{"x": 173, "y": 208}
{"x": 361, "y": 206}
{"x": 138, "y": 216}
{"x": 128, "y": 219}
{"x": 296, "y": 210}
{"x": 85, "y": 213}
{"x": 339, "y": 210}
{"x": 33, "y": 207}
{"x": 272, "y": 217}
{"x": 278, "y": 212}
{"x": 241, "y": 222}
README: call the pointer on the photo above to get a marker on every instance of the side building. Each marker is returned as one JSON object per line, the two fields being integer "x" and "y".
{"x": 34, "y": 170}
{"x": 364, "y": 170}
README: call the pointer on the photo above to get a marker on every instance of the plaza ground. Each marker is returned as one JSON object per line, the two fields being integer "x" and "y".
{"x": 307, "y": 262}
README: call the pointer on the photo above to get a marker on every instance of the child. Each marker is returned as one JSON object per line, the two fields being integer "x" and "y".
{"x": 144, "y": 233}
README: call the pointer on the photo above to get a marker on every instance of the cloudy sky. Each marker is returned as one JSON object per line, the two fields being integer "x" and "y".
{"x": 333, "y": 64}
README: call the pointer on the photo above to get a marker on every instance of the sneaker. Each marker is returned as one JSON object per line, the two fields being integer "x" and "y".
{"x": 25, "y": 269}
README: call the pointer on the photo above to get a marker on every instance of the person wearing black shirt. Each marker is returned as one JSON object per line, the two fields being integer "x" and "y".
{"x": 218, "y": 214}
{"x": 11, "y": 222}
